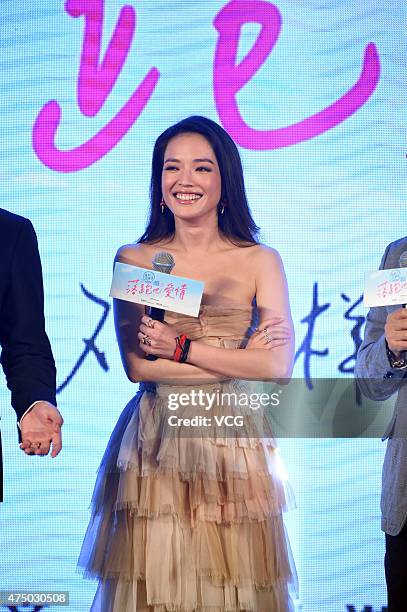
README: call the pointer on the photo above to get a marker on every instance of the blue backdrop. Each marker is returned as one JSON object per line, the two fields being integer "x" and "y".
{"x": 311, "y": 91}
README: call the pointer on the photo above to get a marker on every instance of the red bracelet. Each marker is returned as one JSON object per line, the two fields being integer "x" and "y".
{"x": 179, "y": 349}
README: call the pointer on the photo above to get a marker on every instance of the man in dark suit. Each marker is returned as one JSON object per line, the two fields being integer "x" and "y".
{"x": 381, "y": 370}
{"x": 26, "y": 355}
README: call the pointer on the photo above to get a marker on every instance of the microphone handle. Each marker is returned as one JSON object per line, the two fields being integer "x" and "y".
{"x": 158, "y": 315}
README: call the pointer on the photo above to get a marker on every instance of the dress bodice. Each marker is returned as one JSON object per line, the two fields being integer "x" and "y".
{"x": 221, "y": 326}
{"x": 227, "y": 326}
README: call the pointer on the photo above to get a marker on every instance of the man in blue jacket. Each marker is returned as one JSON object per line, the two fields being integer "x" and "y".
{"x": 26, "y": 355}
{"x": 381, "y": 370}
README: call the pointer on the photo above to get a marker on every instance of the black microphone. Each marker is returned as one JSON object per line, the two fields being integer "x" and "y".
{"x": 403, "y": 264}
{"x": 162, "y": 262}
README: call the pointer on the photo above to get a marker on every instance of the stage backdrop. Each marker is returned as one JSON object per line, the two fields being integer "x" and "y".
{"x": 312, "y": 93}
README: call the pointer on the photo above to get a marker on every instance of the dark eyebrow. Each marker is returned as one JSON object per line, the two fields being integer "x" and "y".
{"x": 204, "y": 159}
{"x": 199, "y": 160}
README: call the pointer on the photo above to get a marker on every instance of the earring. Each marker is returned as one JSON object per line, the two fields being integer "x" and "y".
{"x": 162, "y": 206}
{"x": 223, "y": 210}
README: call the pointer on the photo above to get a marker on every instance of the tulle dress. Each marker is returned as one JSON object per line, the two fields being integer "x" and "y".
{"x": 190, "y": 524}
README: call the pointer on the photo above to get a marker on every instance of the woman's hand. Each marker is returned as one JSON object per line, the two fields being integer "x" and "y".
{"x": 157, "y": 338}
{"x": 271, "y": 333}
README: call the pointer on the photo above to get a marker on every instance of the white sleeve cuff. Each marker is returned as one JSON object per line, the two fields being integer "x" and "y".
{"x": 28, "y": 410}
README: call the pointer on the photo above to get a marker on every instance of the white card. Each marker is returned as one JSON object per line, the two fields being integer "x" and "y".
{"x": 386, "y": 287}
{"x": 152, "y": 288}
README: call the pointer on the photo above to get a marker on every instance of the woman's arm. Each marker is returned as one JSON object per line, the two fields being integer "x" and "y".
{"x": 127, "y": 318}
{"x": 276, "y": 363}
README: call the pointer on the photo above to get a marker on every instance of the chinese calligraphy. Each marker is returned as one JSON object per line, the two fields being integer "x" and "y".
{"x": 169, "y": 290}
{"x": 230, "y": 77}
{"x": 307, "y": 349}
{"x": 95, "y": 83}
{"x": 97, "y": 78}
{"x": 90, "y": 346}
{"x": 355, "y": 334}
{"x": 306, "y": 346}
{"x": 390, "y": 288}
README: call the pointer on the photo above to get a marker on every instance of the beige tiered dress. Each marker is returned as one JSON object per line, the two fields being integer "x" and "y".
{"x": 183, "y": 521}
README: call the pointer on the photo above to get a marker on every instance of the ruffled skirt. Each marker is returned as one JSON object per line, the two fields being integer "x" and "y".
{"x": 188, "y": 522}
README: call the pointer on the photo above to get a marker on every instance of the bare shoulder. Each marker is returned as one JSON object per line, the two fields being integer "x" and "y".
{"x": 271, "y": 283}
{"x": 136, "y": 254}
{"x": 267, "y": 257}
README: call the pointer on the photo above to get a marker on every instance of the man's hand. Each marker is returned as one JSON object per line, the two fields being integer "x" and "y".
{"x": 395, "y": 331}
{"x": 40, "y": 427}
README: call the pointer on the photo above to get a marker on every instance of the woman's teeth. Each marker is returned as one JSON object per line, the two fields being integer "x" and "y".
{"x": 186, "y": 197}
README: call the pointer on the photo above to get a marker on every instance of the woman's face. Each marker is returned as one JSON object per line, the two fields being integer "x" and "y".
{"x": 191, "y": 181}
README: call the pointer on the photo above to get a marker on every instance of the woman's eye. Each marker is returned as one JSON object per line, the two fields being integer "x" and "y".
{"x": 170, "y": 168}
{"x": 204, "y": 168}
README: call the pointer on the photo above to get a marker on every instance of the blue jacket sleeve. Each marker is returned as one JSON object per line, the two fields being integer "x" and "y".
{"x": 376, "y": 378}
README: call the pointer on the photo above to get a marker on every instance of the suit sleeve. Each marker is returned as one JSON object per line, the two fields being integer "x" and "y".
{"x": 376, "y": 378}
{"x": 26, "y": 357}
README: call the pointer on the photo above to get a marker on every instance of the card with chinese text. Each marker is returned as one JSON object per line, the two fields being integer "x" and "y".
{"x": 152, "y": 288}
{"x": 386, "y": 287}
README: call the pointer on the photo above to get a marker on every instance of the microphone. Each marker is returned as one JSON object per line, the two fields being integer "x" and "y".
{"x": 162, "y": 262}
{"x": 403, "y": 260}
{"x": 403, "y": 264}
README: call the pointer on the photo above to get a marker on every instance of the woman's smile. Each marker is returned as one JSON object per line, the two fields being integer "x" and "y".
{"x": 187, "y": 197}
{"x": 191, "y": 176}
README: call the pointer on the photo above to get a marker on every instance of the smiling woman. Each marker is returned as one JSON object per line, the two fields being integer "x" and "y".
{"x": 187, "y": 509}
{"x": 215, "y": 154}
{"x": 188, "y": 182}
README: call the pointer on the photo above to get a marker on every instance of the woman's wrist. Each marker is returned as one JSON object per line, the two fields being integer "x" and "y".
{"x": 189, "y": 356}
{"x": 182, "y": 347}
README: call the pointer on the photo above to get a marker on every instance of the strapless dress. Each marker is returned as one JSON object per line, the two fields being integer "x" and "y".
{"x": 185, "y": 522}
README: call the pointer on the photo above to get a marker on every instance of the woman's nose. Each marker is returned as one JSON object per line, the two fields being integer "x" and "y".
{"x": 185, "y": 177}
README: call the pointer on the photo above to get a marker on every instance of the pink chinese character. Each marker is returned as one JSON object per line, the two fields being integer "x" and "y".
{"x": 182, "y": 292}
{"x": 231, "y": 75}
{"x": 98, "y": 74}
{"x": 382, "y": 289}
{"x": 132, "y": 289}
{"x": 168, "y": 290}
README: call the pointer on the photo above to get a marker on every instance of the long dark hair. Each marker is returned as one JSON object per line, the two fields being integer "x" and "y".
{"x": 236, "y": 223}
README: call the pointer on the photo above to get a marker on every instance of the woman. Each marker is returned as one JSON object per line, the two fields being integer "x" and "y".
{"x": 193, "y": 521}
